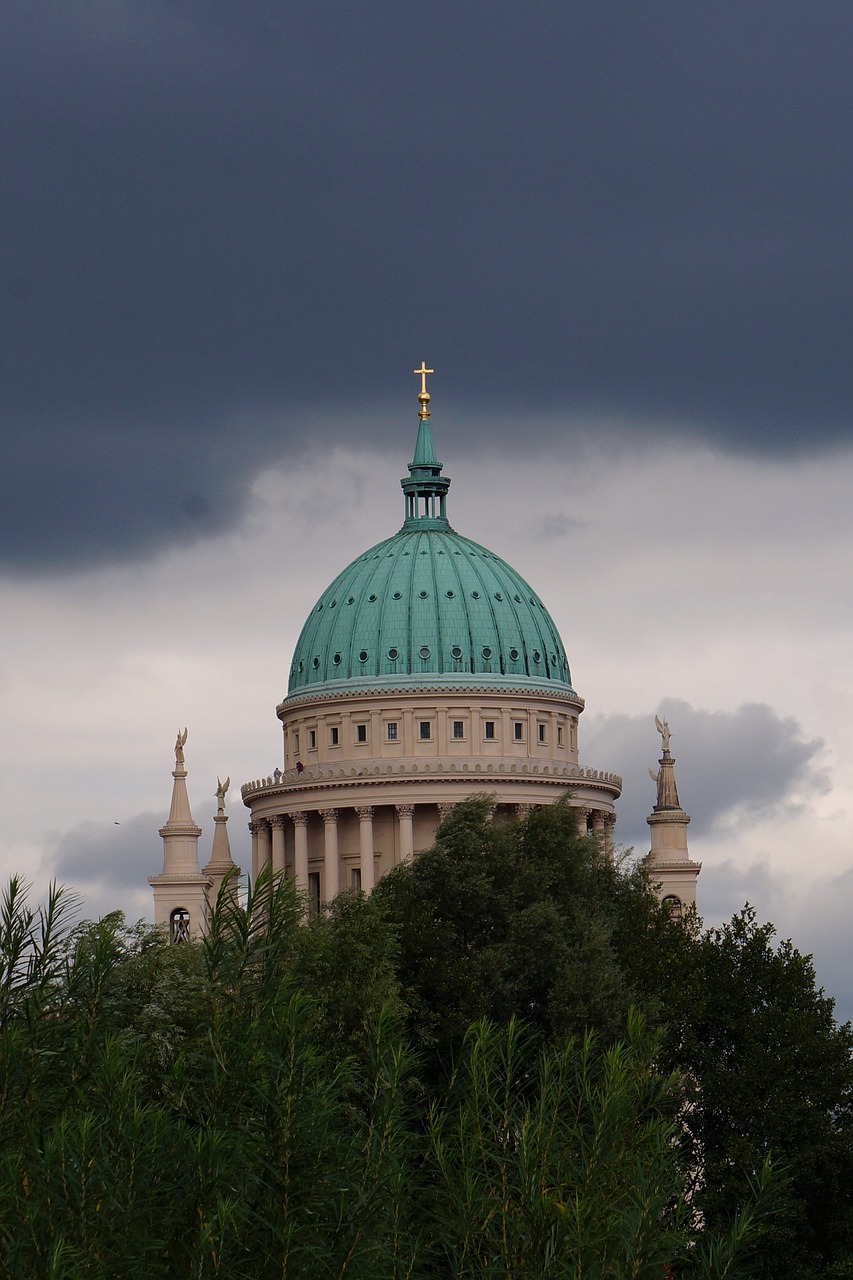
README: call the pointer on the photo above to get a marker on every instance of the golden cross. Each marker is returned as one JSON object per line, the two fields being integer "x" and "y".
{"x": 423, "y": 371}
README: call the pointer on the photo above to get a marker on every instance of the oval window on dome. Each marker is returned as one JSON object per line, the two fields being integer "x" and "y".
{"x": 332, "y": 605}
{"x": 372, "y": 597}
{"x": 423, "y": 594}
{"x": 553, "y": 659}
{"x": 319, "y": 606}
{"x": 424, "y": 651}
{"x": 350, "y": 599}
{"x": 537, "y": 656}
{"x": 315, "y": 664}
{"x": 475, "y": 595}
{"x": 398, "y": 595}
{"x": 517, "y": 599}
{"x": 301, "y": 665}
{"x": 450, "y": 594}
{"x": 393, "y": 654}
{"x": 337, "y": 659}
{"x": 513, "y": 653}
{"x": 362, "y": 657}
{"x": 456, "y": 652}
{"x": 498, "y": 595}
{"x": 487, "y": 653}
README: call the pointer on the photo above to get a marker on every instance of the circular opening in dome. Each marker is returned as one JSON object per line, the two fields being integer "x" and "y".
{"x": 517, "y": 599}
{"x": 498, "y": 595}
{"x": 332, "y": 605}
{"x": 537, "y": 656}
{"x": 423, "y": 594}
{"x": 456, "y": 652}
{"x": 533, "y": 602}
{"x": 450, "y": 594}
{"x": 487, "y": 653}
{"x": 398, "y": 595}
{"x": 553, "y": 659}
{"x": 372, "y": 597}
{"x": 475, "y": 595}
{"x": 424, "y": 651}
{"x": 337, "y": 659}
{"x": 393, "y": 654}
{"x": 315, "y": 664}
{"x": 362, "y": 657}
{"x": 513, "y": 653}
{"x": 351, "y": 600}
{"x": 301, "y": 666}
{"x": 319, "y": 606}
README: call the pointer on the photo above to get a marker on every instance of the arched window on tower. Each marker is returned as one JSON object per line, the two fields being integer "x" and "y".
{"x": 179, "y": 925}
{"x": 674, "y": 905}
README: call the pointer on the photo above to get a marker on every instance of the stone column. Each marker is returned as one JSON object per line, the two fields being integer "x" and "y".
{"x": 405, "y": 818}
{"x": 332, "y": 866}
{"x": 444, "y": 810}
{"x": 277, "y": 824}
{"x": 264, "y": 844}
{"x": 365, "y": 833}
{"x": 300, "y": 837}
{"x": 597, "y": 822}
{"x": 609, "y": 841}
{"x": 254, "y": 827}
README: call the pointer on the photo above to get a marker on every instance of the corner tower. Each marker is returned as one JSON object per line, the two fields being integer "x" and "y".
{"x": 428, "y": 669}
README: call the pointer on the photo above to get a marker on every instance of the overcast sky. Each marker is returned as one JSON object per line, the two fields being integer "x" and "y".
{"x": 620, "y": 233}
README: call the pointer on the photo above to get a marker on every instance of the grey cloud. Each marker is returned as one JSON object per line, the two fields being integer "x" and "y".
{"x": 602, "y": 210}
{"x": 110, "y": 858}
{"x": 730, "y": 766}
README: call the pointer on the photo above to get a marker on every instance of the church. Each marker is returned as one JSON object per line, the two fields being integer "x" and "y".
{"x": 427, "y": 670}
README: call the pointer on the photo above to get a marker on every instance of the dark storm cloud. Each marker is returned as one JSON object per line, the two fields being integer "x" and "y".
{"x": 731, "y": 766}
{"x": 209, "y": 208}
{"x": 109, "y": 856}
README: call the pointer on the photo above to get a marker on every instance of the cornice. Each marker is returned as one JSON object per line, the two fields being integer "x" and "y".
{"x": 351, "y": 690}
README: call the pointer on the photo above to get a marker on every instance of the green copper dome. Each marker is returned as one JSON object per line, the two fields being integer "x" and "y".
{"x": 428, "y": 603}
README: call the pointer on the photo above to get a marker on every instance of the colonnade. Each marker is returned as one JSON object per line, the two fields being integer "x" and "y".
{"x": 269, "y": 843}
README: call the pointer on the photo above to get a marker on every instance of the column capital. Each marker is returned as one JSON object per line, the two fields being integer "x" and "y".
{"x": 405, "y": 810}
{"x": 277, "y": 821}
{"x": 330, "y": 815}
{"x": 257, "y": 825}
{"x": 299, "y": 819}
{"x": 446, "y": 808}
{"x": 365, "y": 811}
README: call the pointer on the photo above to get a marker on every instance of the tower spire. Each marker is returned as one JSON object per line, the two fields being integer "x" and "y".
{"x": 425, "y": 487}
{"x": 221, "y": 863}
{"x": 668, "y": 862}
{"x": 180, "y": 891}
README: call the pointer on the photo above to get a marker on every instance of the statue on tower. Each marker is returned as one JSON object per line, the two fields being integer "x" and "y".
{"x": 221, "y": 792}
{"x": 663, "y": 729}
{"x": 180, "y": 742}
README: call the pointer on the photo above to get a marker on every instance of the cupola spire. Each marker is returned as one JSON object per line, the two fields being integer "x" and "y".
{"x": 425, "y": 487}
{"x": 668, "y": 862}
{"x": 180, "y": 891}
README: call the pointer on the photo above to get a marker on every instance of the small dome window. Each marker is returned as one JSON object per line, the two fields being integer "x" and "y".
{"x": 398, "y": 595}
{"x": 487, "y": 653}
{"x": 517, "y": 599}
{"x": 372, "y": 597}
{"x": 393, "y": 654}
{"x": 332, "y": 605}
{"x": 363, "y": 656}
{"x": 424, "y": 651}
{"x": 423, "y": 594}
{"x": 450, "y": 594}
{"x": 475, "y": 595}
{"x": 319, "y": 606}
{"x": 456, "y": 652}
{"x": 498, "y": 595}
{"x": 315, "y": 664}
{"x": 553, "y": 659}
{"x": 537, "y": 656}
{"x": 351, "y": 600}
{"x": 302, "y": 665}
{"x": 513, "y": 653}
{"x": 337, "y": 659}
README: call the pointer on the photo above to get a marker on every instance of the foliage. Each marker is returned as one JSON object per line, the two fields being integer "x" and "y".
{"x": 195, "y": 1111}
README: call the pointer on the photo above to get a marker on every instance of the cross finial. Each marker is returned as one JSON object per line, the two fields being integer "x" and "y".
{"x": 423, "y": 396}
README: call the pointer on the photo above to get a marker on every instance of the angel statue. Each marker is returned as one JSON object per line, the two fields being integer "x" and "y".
{"x": 221, "y": 792}
{"x": 179, "y": 746}
{"x": 663, "y": 729}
